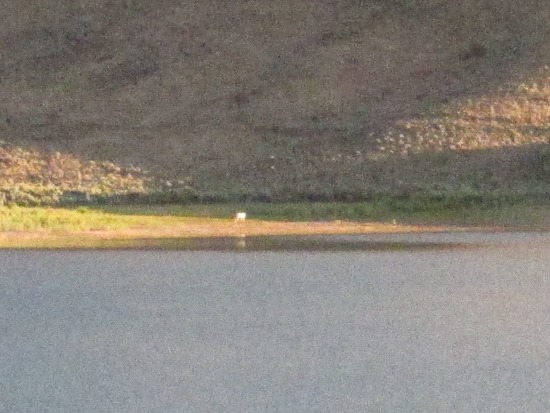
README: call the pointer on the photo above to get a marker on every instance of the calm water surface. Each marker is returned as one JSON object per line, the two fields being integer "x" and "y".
{"x": 462, "y": 326}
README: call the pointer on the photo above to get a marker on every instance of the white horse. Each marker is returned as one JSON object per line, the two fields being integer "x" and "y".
{"x": 240, "y": 216}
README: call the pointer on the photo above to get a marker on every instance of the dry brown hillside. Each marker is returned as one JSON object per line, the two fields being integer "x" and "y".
{"x": 306, "y": 97}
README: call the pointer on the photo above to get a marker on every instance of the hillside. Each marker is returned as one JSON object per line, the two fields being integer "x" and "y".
{"x": 277, "y": 100}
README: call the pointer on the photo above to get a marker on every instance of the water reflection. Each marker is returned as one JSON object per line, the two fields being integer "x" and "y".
{"x": 370, "y": 242}
{"x": 283, "y": 243}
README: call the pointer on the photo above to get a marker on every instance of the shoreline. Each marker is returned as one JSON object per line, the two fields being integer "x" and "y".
{"x": 58, "y": 239}
{"x": 49, "y": 228}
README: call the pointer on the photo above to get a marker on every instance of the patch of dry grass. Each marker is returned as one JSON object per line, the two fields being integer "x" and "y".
{"x": 32, "y": 177}
{"x": 516, "y": 116}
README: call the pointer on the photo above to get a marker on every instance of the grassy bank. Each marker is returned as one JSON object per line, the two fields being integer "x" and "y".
{"x": 526, "y": 214}
{"x": 141, "y": 227}
{"x": 92, "y": 227}
{"x": 38, "y": 219}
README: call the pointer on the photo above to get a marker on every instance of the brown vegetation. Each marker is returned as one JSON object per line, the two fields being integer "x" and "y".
{"x": 30, "y": 177}
{"x": 310, "y": 99}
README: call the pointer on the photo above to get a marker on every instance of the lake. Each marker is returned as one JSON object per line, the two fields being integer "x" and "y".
{"x": 452, "y": 322}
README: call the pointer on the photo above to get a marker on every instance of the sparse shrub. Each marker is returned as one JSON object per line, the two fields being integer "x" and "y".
{"x": 473, "y": 51}
{"x": 32, "y": 178}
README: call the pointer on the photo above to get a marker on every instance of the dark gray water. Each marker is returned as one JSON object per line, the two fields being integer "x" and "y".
{"x": 461, "y": 328}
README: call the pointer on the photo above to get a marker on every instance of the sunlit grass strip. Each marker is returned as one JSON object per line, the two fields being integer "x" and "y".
{"x": 507, "y": 214}
{"x": 135, "y": 228}
{"x": 36, "y": 219}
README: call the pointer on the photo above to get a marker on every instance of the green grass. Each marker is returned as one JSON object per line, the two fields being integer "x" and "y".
{"x": 522, "y": 213}
{"x": 32, "y": 219}
{"x": 529, "y": 214}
